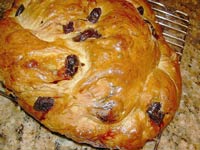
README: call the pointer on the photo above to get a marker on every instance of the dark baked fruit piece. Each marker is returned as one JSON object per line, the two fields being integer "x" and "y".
{"x": 98, "y": 72}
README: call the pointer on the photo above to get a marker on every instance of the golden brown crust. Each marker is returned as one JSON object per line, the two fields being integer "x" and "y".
{"x": 108, "y": 80}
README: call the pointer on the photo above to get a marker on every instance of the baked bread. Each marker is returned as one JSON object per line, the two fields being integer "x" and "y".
{"x": 97, "y": 71}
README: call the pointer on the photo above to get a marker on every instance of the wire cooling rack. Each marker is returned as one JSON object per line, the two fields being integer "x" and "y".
{"x": 175, "y": 25}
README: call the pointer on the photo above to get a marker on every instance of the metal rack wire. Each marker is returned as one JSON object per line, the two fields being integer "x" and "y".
{"x": 175, "y": 25}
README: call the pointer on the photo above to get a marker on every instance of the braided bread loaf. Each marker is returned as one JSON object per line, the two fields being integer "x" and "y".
{"x": 97, "y": 71}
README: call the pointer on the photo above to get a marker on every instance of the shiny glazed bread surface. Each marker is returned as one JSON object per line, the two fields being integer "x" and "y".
{"x": 96, "y": 71}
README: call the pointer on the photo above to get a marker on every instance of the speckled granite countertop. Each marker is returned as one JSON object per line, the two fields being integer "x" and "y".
{"x": 18, "y": 131}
